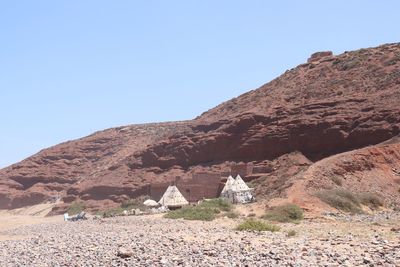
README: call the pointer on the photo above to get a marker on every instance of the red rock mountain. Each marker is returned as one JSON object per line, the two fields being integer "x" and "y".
{"x": 285, "y": 129}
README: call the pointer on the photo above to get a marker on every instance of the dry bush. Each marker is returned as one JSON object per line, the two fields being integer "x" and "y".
{"x": 341, "y": 199}
{"x": 371, "y": 200}
{"x": 205, "y": 211}
{"x": 284, "y": 213}
{"x": 257, "y": 225}
{"x": 348, "y": 201}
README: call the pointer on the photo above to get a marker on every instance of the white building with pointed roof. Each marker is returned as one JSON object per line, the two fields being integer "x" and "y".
{"x": 228, "y": 185}
{"x": 240, "y": 185}
{"x": 173, "y": 198}
{"x": 237, "y": 191}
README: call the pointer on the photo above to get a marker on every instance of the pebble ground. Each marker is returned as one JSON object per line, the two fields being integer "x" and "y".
{"x": 155, "y": 241}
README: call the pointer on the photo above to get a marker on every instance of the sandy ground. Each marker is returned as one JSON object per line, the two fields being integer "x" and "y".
{"x": 12, "y": 219}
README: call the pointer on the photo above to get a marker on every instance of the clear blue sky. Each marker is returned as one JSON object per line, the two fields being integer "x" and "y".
{"x": 69, "y": 68}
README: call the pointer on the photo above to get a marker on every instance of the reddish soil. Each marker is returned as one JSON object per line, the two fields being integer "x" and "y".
{"x": 287, "y": 129}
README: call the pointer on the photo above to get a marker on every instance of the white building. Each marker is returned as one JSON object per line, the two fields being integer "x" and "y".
{"x": 237, "y": 191}
{"x": 173, "y": 198}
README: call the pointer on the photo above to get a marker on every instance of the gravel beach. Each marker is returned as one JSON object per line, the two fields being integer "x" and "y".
{"x": 155, "y": 241}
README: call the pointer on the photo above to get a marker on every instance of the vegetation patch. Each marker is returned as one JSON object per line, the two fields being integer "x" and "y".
{"x": 284, "y": 213}
{"x": 350, "y": 202}
{"x": 371, "y": 200}
{"x": 192, "y": 213}
{"x": 205, "y": 211}
{"x": 217, "y": 203}
{"x": 341, "y": 199}
{"x": 76, "y": 207}
{"x": 257, "y": 225}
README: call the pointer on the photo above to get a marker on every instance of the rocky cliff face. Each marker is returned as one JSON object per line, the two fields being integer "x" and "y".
{"x": 329, "y": 105}
{"x": 51, "y": 172}
{"x": 320, "y": 108}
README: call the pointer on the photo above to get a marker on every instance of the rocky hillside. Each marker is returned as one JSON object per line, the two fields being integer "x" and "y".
{"x": 329, "y": 105}
{"x": 49, "y": 173}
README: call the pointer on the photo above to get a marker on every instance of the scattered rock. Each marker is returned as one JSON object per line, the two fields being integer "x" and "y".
{"x": 319, "y": 55}
{"x": 395, "y": 229}
{"x": 125, "y": 253}
{"x": 152, "y": 241}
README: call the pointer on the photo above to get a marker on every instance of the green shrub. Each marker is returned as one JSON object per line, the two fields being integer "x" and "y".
{"x": 205, "y": 211}
{"x": 217, "y": 203}
{"x": 291, "y": 233}
{"x": 256, "y": 225}
{"x": 192, "y": 213}
{"x": 76, "y": 207}
{"x": 341, "y": 199}
{"x": 284, "y": 213}
{"x": 371, "y": 200}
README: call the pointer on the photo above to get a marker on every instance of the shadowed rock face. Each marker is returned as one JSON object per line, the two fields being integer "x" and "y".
{"x": 329, "y": 105}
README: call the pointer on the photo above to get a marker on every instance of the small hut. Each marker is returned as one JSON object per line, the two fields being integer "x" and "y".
{"x": 237, "y": 191}
{"x": 243, "y": 193}
{"x": 173, "y": 198}
{"x": 227, "y": 191}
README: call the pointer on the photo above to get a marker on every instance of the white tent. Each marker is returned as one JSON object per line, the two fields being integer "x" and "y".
{"x": 151, "y": 203}
{"x": 228, "y": 185}
{"x": 240, "y": 185}
{"x": 173, "y": 198}
{"x": 237, "y": 191}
